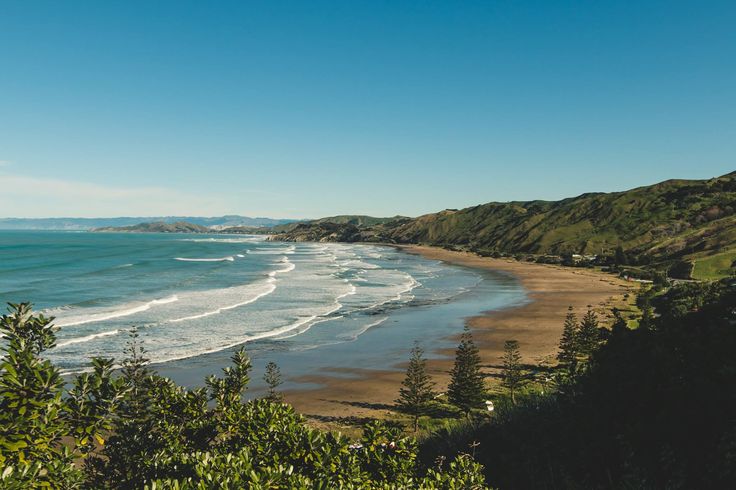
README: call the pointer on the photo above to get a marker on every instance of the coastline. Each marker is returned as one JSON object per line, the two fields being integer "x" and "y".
{"x": 537, "y": 326}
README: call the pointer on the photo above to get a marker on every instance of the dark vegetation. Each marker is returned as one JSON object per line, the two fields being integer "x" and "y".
{"x": 466, "y": 390}
{"x": 650, "y": 408}
{"x": 417, "y": 389}
{"x": 139, "y": 430}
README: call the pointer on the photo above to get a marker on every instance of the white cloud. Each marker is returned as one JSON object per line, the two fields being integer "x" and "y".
{"x": 31, "y": 197}
{"x": 5, "y": 163}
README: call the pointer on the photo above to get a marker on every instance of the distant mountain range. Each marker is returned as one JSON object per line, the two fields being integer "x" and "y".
{"x": 82, "y": 224}
{"x": 691, "y": 223}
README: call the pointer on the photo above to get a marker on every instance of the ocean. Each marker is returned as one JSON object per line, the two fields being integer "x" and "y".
{"x": 194, "y": 299}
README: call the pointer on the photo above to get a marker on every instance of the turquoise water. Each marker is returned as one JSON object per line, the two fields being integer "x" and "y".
{"x": 195, "y": 298}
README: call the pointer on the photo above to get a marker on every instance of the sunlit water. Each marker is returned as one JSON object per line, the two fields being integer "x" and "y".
{"x": 195, "y": 298}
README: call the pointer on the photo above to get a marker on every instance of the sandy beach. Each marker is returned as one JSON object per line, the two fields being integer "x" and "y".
{"x": 537, "y": 326}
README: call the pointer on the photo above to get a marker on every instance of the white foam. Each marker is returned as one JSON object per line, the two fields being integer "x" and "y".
{"x": 272, "y": 250}
{"x": 125, "y": 310}
{"x": 363, "y": 330}
{"x": 347, "y": 337}
{"x": 316, "y": 293}
{"x": 353, "y": 290}
{"x": 264, "y": 335}
{"x": 316, "y": 322}
{"x": 290, "y": 266}
{"x": 87, "y": 338}
{"x": 271, "y": 289}
{"x": 221, "y": 259}
{"x": 358, "y": 264}
{"x": 407, "y": 287}
{"x": 250, "y": 239}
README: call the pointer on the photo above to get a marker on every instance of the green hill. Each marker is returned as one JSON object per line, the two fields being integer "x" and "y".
{"x": 691, "y": 220}
{"x": 158, "y": 227}
{"x": 346, "y": 220}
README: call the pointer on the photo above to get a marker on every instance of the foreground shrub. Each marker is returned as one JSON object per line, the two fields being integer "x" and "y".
{"x": 140, "y": 430}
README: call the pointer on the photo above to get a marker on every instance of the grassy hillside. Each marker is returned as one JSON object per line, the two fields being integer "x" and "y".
{"x": 346, "y": 220}
{"x": 357, "y": 220}
{"x": 665, "y": 222}
{"x": 158, "y": 227}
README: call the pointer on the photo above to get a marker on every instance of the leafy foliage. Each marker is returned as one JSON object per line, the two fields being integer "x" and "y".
{"x": 140, "y": 430}
{"x": 41, "y": 430}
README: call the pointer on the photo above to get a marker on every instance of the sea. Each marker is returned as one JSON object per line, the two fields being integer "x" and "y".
{"x": 314, "y": 308}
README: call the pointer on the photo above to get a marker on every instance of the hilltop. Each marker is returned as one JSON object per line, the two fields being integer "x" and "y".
{"x": 686, "y": 222}
{"x": 157, "y": 227}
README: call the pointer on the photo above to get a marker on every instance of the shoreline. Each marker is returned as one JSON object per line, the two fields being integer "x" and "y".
{"x": 537, "y": 325}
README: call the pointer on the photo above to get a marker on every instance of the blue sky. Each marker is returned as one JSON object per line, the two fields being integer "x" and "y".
{"x": 311, "y": 108}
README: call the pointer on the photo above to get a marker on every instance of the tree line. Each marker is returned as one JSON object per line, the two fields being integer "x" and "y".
{"x": 467, "y": 390}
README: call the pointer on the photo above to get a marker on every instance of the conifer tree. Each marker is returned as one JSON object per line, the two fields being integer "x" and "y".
{"x": 646, "y": 322}
{"x": 466, "y": 389}
{"x": 272, "y": 377}
{"x": 511, "y": 374}
{"x": 417, "y": 388}
{"x": 568, "y": 354}
{"x": 588, "y": 334}
{"x": 135, "y": 374}
{"x": 619, "y": 322}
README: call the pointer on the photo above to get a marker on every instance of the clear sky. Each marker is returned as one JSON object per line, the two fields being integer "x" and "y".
{"x": 312, "y": 108}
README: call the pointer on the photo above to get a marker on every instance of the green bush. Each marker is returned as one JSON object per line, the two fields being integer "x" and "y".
{"x": 140, "y": 430}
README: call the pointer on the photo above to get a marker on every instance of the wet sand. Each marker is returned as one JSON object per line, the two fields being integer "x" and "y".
{"x": 537, "y": 326}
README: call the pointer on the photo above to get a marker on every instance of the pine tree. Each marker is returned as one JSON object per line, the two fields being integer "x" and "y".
{"x": 135, "y": 374}
{"x": 272, "y": 377}
{"x": 568, "y": 354}
{"x": 588, "y": 334}
{"x": 466, "y": 389}
{"x": 619, "y": 322}
{"x": 646, "y": 322}
{"x": 417, "y": 391}
{"x": 511, "y": 374}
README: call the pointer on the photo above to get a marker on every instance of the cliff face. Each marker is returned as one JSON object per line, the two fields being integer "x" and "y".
{"x": 675, "y": 218}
